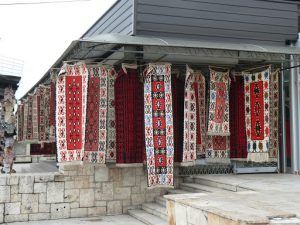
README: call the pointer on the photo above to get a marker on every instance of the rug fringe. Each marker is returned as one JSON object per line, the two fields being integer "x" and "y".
{"x": 217, "y": 134}
{"x": 258, "y": 157}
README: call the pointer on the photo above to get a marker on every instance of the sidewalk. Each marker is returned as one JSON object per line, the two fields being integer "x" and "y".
{"x": 105, "y": 220}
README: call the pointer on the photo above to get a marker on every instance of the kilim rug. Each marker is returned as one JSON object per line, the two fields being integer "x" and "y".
{"x": 95, "y": 132}
{"x": 274, "y": 113}
{"x": 178, "y": 115}
{"x": 218, "y": 118}
{"x": 111, "y": 118}
{"x": 53, "y": 75}
{"x": 20, "y": 121}
{"x": 159, "y": 137}
{"x": 194, "y": 116}
{"x": 257, "y": 111}
{"x": 218, "y": 149}
{"x": 44, "y": 113}
{"x": 25, "y": 118}
{"x": 129, "y": 103}
{"x": 71, "y": 94}
{"x": 29, "y": 127}
{"x": 42, "y": 149}
{"x": 35, "y": 114}
{"x": 238, "y": 139}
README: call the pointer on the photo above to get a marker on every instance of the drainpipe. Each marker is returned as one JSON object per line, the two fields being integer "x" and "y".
{"x": 293, "y": 116}
{"x": 282, "y": 154}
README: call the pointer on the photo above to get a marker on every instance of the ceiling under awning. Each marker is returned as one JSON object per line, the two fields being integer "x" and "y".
{"x": 114, "y": 49}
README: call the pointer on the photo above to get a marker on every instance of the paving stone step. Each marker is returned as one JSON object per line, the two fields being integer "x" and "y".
{"x": 211, "y": 183}
{"x": 193, "y": 187}
{"x": 146, "y": 217}
{"x": 156, "y": 209}
{"x": 161, "y": 200}
{"x": 177, "y": 191}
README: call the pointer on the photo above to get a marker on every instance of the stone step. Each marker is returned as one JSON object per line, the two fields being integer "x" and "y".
{"x": 146, "y": 217}
{"x": 177, "y": 191}
{"x": 211, "y": 183}
{"x": 22, "y": 159}
{"x": 193, "y": 187}
{"x": 156, "y": 209}
{"x": 161, "y": 200}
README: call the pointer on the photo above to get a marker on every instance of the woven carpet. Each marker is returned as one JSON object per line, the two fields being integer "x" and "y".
{"x": 159, "y": 125}
{"x": 274, "y": 115}
{"x": 20, "y": 122}
{"x": 42, "y": 149}
{"x": 44, "y": 113}
{"x": 29, "y": 121}
{"x": 218, "y": 119}
{"x": 257, "y": 111}
{"x": 71, "y": 97}
{"x": 194, "y": 116}
{"x": 53, "y": 75}
{"x": 218, "y": 149}
{"x": 25, "y": 118}
{"x": 129, "y": 104}
{"x": 238, "y": 139}
{"x": 178, "y": 115}
{"x": 35, "y": 114}
{"x": 111, "y": 118}
{"x": 95, "y": 133}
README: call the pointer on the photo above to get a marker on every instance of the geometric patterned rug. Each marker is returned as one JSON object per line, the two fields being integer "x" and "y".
{"x": 257, "y": 111}
{"x": 71, "y": 99}
{"x": 95, "y": 132}
{"x": 159, "y": 137}
{"x": 218, "y": 119}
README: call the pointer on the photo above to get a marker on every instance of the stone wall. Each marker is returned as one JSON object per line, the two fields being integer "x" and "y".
{"x": 76, "y": 191}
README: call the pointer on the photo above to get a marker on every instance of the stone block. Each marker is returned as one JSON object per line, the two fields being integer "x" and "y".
{"x": 139, "y": 171}
{"x": 126, "y": 205}
{"x": 60, "y": 211}
{"x": 39, "y": 216}
{"x": 107, "y": 192}
{"x": 16, "y": 198}
{"x": 128, "y": 176}
{"x": 79, "y": 212}
{"x": 30, "y": 203}
{"x": 196, "y": 216}
{"x": 87, "y": 198}
{"x": 81, "y": 182}
{"x": 69, "y": 184}
{"x": 43, "y": 178}
{"x": 101, "y": 174}
{"x": 100, "y": 203}
{"x": 136, "y": 190}
{"x": 144, "y": 184}
{"x": 39, "y": 187}
{"x": 55, "y": 192}
{"x": 180, "y": 213}
{"x": 13, "y": 208}
{"x": 3, "y": 180}
{"x": 74, "y": 205}
{"x": 13, "y": 180}
{"x": 1, "y": 213}
{"x": 96, "y": 211}
{"x": 137, "y": 199}
{"x": 150, "y": 196}
{"x": 115, "y": 174}
{"x": 69, "y": 167}
{"x": 16, "y": 218}
{"x": 26, "y": 185}
{"x": 4, "y": 194}
{"x": 91, "y": 179}
{"x": 44, "y": 208}
{"x": 71, "y": 195}
{"x": 114, "y": 207}
{"x": 122, "y": 193}
{"x": 43, "y": 198}
{"x": 14, "y": 189}
{"x": 88, "y": 169}
{"x": 61, "y": 178}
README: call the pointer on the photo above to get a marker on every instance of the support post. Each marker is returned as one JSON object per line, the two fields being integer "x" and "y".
{"x": 282, "y": 153}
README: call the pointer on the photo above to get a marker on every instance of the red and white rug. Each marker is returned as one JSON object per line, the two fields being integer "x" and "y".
{"x": 194, "y": 116}
{"x": 159, "y": 135}
{"x": 71, "y": 99}
{"x": 218, "y": 118}
{"x": 95, "y": 132}
{"x": 257, "y": 111}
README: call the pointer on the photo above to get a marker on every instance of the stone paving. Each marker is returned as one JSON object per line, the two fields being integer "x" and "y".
{"x": 106, "y": 220}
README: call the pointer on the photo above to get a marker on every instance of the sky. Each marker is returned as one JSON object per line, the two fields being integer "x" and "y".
{"x": 38, "y": 34}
